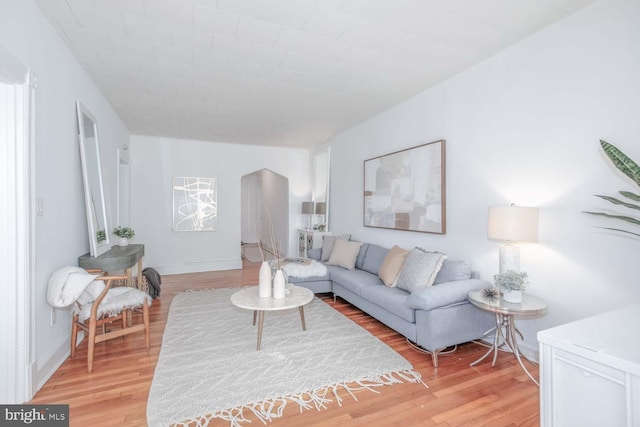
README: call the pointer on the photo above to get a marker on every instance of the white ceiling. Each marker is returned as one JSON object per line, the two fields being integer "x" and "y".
{"x": 281, "y": 72}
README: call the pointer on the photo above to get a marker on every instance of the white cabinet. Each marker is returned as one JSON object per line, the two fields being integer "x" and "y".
{"x": 590, "y": 371}
{"x": 309, "y": 239}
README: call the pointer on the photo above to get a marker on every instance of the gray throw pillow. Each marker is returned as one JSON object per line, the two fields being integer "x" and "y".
{"x": 452, "y": 271}
{"x": 344, "y": 254}
{"x": 419, "y": 269}
{"x": 327, "y": 245}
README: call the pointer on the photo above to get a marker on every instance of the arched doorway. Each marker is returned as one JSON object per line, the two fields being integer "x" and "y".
{"x": 264, "y": 207}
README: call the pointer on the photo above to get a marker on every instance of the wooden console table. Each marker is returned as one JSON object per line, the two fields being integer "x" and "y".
{"x": 116, "y": 258}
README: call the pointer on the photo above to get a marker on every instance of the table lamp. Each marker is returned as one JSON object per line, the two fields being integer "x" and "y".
{"x": 321, "y": 211}
{"x": 308, "y": 209}
{"x": 512, "y": 224}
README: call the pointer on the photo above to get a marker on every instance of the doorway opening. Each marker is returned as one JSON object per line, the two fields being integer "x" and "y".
{"x": 265, "y": 215}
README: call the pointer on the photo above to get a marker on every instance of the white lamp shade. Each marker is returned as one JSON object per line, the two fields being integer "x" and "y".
{"x": 513, "y": 224}
{"x": 307, "y": 208}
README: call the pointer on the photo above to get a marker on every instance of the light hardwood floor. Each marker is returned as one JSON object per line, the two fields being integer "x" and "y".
{"x": 115, "y": 394}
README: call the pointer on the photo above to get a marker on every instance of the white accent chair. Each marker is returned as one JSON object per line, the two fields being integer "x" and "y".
{"x": 111, "y": 307}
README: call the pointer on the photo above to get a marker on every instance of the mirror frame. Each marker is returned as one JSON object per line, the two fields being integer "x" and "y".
{"x": 96, "y": 248}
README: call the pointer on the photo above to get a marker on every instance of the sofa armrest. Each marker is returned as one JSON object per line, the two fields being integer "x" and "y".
{"x": 444, "y": 294}
{"x": 315, "y": 253}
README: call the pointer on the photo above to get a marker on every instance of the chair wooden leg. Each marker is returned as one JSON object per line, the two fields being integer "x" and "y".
{"x": 74, "y": 334}
{"x": 91, "y": 344}
{"x": 145, "y": 318}
{"x": 124, "y": 318}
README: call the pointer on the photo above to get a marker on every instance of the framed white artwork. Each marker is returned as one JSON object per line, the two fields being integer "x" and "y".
{"x": 195, "y": 204}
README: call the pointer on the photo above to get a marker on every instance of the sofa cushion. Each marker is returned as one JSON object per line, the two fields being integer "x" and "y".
{"x": 315, "y": 253}
{"x": 453, "y": 270}
{"x": 420, "y": 269}
{"x": 374, "y": 258}
{"x": 354, "y": 280}
{"x": 327, "y": 245}
{"x": 361, "y": 255}
{"x": 393, "y": 300}
{"x": 449, "y": 293}
{"x": 392, "y": 264}
{"x": 344, "y": 254}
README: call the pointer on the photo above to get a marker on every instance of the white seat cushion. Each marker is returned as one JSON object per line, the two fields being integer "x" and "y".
{"x": 117, "y": 299}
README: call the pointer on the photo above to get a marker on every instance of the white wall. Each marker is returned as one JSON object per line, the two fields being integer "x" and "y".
{"x": 61, "y": 234}
{"x": 524, "y": 127}
{"x": 154, "y": 163}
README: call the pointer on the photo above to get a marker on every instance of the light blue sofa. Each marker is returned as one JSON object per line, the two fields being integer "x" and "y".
{"x": 435, "y": 318}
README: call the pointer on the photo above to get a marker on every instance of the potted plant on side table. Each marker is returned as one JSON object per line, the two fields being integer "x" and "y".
{"x": 512, "y": 283}
{"x": 124, "y": 234}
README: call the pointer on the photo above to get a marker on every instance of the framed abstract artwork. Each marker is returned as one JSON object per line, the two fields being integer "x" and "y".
{"x": 195, "y": 204}
{"x": 405, "y": 190}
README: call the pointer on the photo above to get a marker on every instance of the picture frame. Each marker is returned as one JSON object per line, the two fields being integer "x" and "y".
{"x": 195, "y": 204}
{"x": 405, "y": 190}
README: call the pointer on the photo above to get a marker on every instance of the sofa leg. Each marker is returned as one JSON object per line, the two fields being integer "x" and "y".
{"x": 434, "y": 357}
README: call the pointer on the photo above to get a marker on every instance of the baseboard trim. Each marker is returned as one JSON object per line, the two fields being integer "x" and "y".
{"x": 528, "y": 347}
{"x": 198, "y": 267}
{"x": 55, "y": 361}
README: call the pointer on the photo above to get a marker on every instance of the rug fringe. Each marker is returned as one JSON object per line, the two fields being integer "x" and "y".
{"x": 268, "y": 410}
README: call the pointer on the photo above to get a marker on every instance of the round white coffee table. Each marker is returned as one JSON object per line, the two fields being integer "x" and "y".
{"x": 248, "y": 299}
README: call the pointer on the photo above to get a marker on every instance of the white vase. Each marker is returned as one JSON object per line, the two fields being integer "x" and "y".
{"x": 512, "y": 296}
{"x": 123, "y": 241}
{"x": 264, "y": 280}
{"x": 279, "y": 283}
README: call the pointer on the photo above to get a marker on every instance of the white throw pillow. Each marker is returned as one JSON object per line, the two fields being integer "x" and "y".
{"x": 344, "y": 254}
{"x": 419, "y": 269}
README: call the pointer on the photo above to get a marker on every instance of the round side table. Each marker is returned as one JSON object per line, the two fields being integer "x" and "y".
{"x": 505, "y": 330}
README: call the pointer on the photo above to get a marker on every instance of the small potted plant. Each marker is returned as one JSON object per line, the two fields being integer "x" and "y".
{"x": 512, "y": 284}
{"x": 124, "y": 234}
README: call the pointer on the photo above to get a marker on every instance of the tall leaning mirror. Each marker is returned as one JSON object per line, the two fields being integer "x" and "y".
{"x": 92, "y": 177}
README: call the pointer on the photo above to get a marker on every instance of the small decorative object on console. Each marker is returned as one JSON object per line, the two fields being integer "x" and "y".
{"x": 491, "y": 293}
{"x": 124, "y": 234}
{"x": 512, "y": 284}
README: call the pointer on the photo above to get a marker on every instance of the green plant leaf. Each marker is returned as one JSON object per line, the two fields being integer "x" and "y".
{"x": 622, "y": 162}
{"x": 618, "y": 202}
{"x": 620, "y": 230}
{"x": 630, "y": 195}
{"x": 620, "y": 217}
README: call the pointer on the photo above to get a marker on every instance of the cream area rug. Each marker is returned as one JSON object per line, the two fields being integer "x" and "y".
{"x": 209, "y": 367}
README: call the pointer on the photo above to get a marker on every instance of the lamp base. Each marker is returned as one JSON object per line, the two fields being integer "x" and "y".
{"x": 509, "y": 258}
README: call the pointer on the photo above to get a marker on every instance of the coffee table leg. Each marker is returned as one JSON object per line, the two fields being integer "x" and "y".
{"x": 260, "y": 324}
{"x": 304, "y": 325}
{"x": 254, "y": 317}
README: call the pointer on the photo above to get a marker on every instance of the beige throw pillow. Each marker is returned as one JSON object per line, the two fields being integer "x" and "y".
{"x": 392, "y": 264}
{"x": 344, "y": 254}
{"x": 327, "y": 245}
